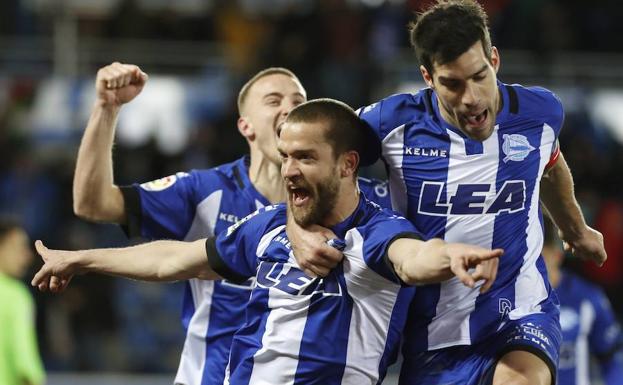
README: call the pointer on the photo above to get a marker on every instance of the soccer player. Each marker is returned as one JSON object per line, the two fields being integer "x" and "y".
{"x": 589, "y": 327}
{"x": 468, "y": 158}
{"x": 193, "y": 205}
{"x": 344, "y": 328}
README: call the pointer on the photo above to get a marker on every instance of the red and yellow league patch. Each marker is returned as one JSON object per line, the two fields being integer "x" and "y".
{"x": 160, "y": 184}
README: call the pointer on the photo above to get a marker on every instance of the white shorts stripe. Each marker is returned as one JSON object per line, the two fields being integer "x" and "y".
{"x": 192, "y": 361}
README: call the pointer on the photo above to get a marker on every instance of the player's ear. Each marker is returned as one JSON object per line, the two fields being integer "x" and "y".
{"x": 246, "y": 128}
{"x": 495, "y": 59}
{"x": 427, "y": 76}
{"x": 350, "y": 161}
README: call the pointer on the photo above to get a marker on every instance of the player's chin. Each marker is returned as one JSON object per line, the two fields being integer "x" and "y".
{"x": 301, "y": 216}
{"x": 479, "y": 133}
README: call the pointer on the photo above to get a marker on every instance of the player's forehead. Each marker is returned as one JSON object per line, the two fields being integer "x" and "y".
{"x": 295, "y": 136}
{"x": 469, "y": 63}
{"x": 277, "y": 84}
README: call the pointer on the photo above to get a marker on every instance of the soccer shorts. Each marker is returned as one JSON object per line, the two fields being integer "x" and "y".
{"x": 539, "y": 334}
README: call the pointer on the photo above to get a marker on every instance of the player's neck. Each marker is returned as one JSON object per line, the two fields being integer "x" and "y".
{"x": 347, "y": 202}
{"x": 266, "y": 178}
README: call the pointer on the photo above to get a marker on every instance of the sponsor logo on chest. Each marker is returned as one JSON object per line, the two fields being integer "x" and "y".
{"x": 288, "y": 278}
{"x": 472, "y": 198}
{"x": 426, "y": 152}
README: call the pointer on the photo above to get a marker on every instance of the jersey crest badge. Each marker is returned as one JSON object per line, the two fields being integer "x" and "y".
{"x": 516, "y": 147}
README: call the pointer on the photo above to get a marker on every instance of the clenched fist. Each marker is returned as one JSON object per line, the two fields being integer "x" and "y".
{"x": 117, "y": 83}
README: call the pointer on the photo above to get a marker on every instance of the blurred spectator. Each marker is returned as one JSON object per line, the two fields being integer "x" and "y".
{"x": 589, "y": 327}
{"x": 20, "y": 363}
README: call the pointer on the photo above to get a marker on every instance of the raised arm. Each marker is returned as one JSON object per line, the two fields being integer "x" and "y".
{"x": 419, "y": 262}
{"x": 154, "y": 261}
{"x": 96, "y": 197}
{"x": 558, "y": 198}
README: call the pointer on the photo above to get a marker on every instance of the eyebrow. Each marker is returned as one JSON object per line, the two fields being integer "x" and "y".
{"x": 298, "y": 153}
{"x": 306, "y": 153}
{"x": 447, "y": 79}
{"x": 279, "y": 94}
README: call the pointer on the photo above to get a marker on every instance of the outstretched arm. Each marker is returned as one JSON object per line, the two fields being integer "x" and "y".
{"x": 421, "y": 262}
{"x": 96, "y": 197}
{"x": 154, "y": 261}
{"x": 559, "y": 200}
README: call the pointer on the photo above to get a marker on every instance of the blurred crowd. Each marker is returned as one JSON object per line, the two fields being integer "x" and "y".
{"x": 186, "y": 119}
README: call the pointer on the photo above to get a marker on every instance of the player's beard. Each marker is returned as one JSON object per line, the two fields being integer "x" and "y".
{"x": 322, "y": 200}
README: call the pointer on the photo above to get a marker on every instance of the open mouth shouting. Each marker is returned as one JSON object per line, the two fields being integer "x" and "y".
{"x": 476, "y": 120}
{"x": 299, "y": 196}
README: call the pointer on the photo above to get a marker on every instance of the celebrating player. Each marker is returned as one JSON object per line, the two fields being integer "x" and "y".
{"x": 344, "y": 328}
{"x": 193, "y": 205}
{"x": 468, "y": 158}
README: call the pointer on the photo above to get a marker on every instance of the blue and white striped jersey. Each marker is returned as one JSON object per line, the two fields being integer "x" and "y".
{"x": 195, "y": 205}
{"x": 481, "y": 193}
{"x": 341, "y": 329}
{"x": 589, "y": 328}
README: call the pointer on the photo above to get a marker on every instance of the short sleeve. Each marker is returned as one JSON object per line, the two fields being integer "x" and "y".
{"x": 233, "y": 253}
{"x": 371, "y": 115}
{"x": 379, "y": 235}
{"x": 547, "y": 105}
{"x": 163, "y": 208}
{"x": 376, "y": 191}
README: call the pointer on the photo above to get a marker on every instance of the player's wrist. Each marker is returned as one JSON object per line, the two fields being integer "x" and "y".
{"x": 79, "y": 262}
{"x": 575, "y": 233}
{"x": 443, "y": 250}
{"x": 107, "y": 105}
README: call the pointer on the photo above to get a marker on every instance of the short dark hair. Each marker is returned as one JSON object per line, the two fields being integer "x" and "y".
{"x": 345, "y": 132}
{"x": 244, "y": 91}
{"x": 447, "y": 29}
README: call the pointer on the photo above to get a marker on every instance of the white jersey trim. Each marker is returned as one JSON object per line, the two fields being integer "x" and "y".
{"x": 451, "y": 324}
{"x": 393, "y": 153}
{"x": 193, "y": 358}
{"x": 530, "y": 287}
{"x": 374, "y": 299}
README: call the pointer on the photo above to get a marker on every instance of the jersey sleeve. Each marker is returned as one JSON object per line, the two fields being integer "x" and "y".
{"x": 605, "y": 336}
{"x": 548, "y": 106}
{"x": 371, "y": 115}
{"x": 555, "y": 154}
{"x": 555, "y": 119}
{"x": 376, "y": 191}
{"x": 233, "y": 253}
{"x": 163, "y": 208}
{"x": 379, "y": 235}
